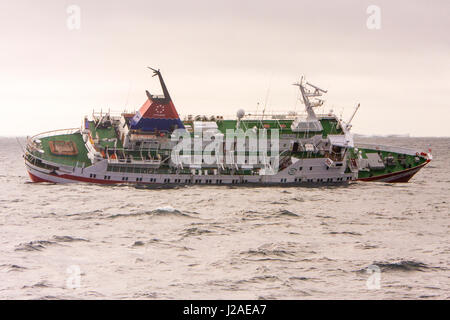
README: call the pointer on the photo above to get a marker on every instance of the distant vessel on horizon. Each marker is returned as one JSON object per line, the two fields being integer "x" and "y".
{"x": 406, "y": 135}
{"x": 143, "y": 148}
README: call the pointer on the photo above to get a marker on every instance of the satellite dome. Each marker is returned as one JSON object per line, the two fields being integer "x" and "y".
{"x": 240, "y": 113}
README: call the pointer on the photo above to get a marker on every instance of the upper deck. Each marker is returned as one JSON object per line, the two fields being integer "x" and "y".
{"x": 105, "y": 137}
{"x": 40, "y": 147}
{"x": 330, "y": 126}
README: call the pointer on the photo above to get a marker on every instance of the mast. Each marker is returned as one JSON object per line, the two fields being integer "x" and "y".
{"x": 310, "y": 93}
{"x": 163, "y": 85}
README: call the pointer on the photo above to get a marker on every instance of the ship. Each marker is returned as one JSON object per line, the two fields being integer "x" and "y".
{"x": 153, "y": 146}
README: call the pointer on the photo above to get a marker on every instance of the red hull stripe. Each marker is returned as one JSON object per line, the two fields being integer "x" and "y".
{"x": 75, "y": 178}
{"x": 36, "y": 178}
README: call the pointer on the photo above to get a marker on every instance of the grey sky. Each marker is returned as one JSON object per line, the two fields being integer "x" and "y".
{"x": 219, "y": 56}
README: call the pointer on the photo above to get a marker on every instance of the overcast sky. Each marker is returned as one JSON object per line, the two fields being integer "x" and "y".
{"x": 219, "y": 56}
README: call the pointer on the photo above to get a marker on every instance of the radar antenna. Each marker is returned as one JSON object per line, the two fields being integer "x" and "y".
{"x": 310, "y": 94}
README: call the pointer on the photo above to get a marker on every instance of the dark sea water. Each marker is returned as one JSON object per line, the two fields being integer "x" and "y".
{"x": 98, "y": 242}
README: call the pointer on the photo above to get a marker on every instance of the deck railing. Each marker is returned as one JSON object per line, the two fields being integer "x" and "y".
{"x": 51, "y": 133}
{"x": 380, "y": 147}
{"x": 34, "y": 148}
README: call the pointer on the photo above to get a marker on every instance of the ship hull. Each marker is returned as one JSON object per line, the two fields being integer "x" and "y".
{"x": 98, "y": 174}
{"x": 36, "y": 176}
{"x": 400, "y": 176}
{"x": 39, "y": 175}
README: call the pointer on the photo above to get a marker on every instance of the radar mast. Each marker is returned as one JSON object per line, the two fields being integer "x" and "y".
{"x": 310, "y": 93}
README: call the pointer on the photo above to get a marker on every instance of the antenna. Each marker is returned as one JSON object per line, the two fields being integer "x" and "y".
{"x": 267, "y": 97}
{"x": 155, "y": 72}
{"x": 309, "y": 97}
{"x": 317, "y": 88}
{"x": 21, "y": 147}
{"x": 351, "y": 118}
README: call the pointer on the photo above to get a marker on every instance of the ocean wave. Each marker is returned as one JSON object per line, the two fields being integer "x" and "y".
{"x": 67, "y": 239}
{"x": 138, "y": 243}
{"x": 402, "y": 266}
{"x": 257, "y": 279}
{"x": 35, "y": 245}
{"x": 12, "y": 267}
{"x": 262, "y": 252}
{"x": 39, "y": 245}
{"x": 288, "y": 213}
{"x": 40, "y": 284}
{"x": 299, "y": 278}
{"x": 162, "y": 211}
{"x": 352, "y": 233}
{"x": 194, "y": 231}
{"x": 255, "y": 215}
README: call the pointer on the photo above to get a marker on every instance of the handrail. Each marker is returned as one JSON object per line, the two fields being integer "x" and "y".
{"x": 49, "y": 133}
{"x": 380, "y": 147}
{"x": 32, "y": 146}
{"x": 77, "y": 165}
{"x": 133, "y": 161}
